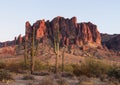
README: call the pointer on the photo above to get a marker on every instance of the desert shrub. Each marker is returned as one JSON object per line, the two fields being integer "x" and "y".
{"x": 91, "y": 68}
{"x": 17, "y": 66}
{"x": 114, "y": 72}
{"x": 5, "y": 75}
{"x": 20, "y": 66}
{"x": 84, "y": 80}
{"x": 77, "y": 70}
{"x": 113, "y": 81}
{"x": 48, "y": 81}
{"x": 2, "y": 65}
{"x": 67, "y": 74}
{"x": 57, "y": 76}
{"x": 24, "y": 66}
{"x": 28, "y": 77}
{"x": 62, "y": 82}
{"x": 40, "y": 66}
{"x": 30, "y": 83}
{"x": 104, "y": 77}
{"x": 42, "y": 73}
{"x": 13, "y": 67}
{"x": 68, "y": 68}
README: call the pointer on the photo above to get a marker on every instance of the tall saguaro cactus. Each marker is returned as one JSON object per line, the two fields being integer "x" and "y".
{"x": 63, "y": 54}
{"x": 25, "y": 53}
{"x": 32, "y": 52}
{"x": 56, "y": 48}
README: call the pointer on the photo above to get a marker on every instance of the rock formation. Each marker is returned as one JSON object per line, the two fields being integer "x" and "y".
{"x": 71, "y": 32}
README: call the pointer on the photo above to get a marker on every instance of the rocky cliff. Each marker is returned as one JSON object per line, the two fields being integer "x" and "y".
{"x": 70, "y": 32}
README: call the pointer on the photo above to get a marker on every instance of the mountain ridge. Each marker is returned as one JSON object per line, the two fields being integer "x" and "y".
{"x": 71, "y": 33}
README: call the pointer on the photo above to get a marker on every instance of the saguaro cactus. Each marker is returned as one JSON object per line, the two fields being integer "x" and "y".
{"x": 37, "y": 47}
{"x": 25, "y": 53}
{"x": 32, "y": 52}
{"x": 63, "y": 54}
{"x": 56, "y": 48}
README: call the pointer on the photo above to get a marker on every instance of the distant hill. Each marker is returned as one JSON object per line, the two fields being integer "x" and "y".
{"x": 111, "y": 41}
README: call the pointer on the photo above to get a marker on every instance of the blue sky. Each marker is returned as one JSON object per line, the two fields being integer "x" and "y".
{"x": 14, "y": 13}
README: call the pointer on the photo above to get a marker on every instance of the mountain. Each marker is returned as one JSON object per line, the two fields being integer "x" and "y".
{"x": 76, "y": 39}
{"x": 70, "y": 32}
{"x": 84, "y": 34}
{"x": 111, "y": 41}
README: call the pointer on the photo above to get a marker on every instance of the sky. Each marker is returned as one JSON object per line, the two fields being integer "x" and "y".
{"x": 14, "y": 13}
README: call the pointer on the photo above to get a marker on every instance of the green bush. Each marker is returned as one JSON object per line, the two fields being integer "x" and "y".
{"x": 20, "y": 66}
{"x": 40, "y": 66}
{"x": 68, "y": 68}
{"x": 77, "y": 70}
{"x": 5, "y": 75}
{"x": 91, "y": 68}
{"x": 114, "y": 72}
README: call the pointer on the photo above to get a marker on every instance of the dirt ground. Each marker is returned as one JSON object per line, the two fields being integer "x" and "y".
{"x": 18, "y": 80}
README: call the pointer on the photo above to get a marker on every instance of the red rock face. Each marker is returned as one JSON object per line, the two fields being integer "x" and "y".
{"x": 41, "y": 27}
{"x": 87, "y": 33}
{"x": 70, "y": 32}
